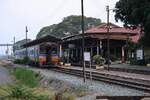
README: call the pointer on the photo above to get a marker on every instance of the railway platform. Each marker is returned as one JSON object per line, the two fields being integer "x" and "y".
{"x": 130, "y": 68}
{"x": 124, "y": 75}
{"x": 124, "y": 68}
{"x": 132, "y": 80}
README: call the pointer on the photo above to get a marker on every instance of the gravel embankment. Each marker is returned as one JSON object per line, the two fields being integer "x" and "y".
{"x": 100, "y": 87}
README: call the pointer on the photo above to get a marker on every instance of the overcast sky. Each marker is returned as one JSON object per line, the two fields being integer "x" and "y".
{"x": 16, "y": 14}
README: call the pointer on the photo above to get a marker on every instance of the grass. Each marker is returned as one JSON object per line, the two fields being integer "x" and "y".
{"x": 68, "y": 96}
{"x": 28, "y": 87}
{"x": 80, "y": 90}
{"x": 26, "y": 77}
{"x": 67, "y": 90}
{"x": 20, "y": 92}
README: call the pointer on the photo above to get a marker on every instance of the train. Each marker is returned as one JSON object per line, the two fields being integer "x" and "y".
{"x": 42, "y": 53}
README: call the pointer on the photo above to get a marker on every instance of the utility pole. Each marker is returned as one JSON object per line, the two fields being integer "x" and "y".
{"x": 108, "y": 38}
{"x": 7, "y": 51}
{"x": 26, "y": 41}
{"x": 82, "y": 25}
{"x": 14, "y": 47}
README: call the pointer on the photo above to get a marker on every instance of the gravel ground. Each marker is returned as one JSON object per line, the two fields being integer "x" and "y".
{"x": 4, "y": 76}
{"x": 100, "y": 88}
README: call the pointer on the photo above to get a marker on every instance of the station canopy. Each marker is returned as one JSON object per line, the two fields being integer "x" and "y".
{"x": 51, "y": 40}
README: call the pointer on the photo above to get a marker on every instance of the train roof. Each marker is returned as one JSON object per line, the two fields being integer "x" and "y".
{"x": 44, "y": 39}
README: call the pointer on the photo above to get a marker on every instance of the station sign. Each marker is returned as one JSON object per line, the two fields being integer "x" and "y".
{"x": 87, "y": 56}
{"x": 139, "y": 54}
{"x": 71, "y": 46}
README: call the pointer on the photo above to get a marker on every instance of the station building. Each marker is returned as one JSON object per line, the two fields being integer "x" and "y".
{"x": 70, "y": 47}
{"x": 96, "y": 43}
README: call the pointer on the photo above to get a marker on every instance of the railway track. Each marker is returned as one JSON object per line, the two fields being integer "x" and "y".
{"x": 131, "y": 83}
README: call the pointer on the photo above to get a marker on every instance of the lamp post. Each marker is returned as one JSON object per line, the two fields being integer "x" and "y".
{"x": 108, "y": 38}
{"x": 82, "y": 26}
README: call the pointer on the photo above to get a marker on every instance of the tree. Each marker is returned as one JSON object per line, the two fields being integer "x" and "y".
{"x": 135, "y": 13}
{"x": 70, "y": 24}
{"x": 45, "y": 31}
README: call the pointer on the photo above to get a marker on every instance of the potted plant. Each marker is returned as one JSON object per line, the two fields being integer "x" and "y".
{"x": 99, "y": 61}
{"x": 64, "y": 61}
{"x": 147, "y": 60}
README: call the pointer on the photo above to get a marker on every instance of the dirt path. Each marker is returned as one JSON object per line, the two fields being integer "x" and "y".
{"x": 5, "y": 77}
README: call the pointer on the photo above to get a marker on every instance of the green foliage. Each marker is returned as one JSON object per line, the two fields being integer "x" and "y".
{"x": 25, "y": 60}
{"x": 70, "y": 24}
{"x": 46, "y": 31}
{"x": 134, "y": 13}
{"x": 17, "y": 61}
{"x": 80, "y": 90}
{"x": 67, "y": 96}
{"x": 26, "y": 77}
{"x": 98, "y": 59}
{"x": 137, "y": 62}
{"x": 64, "y": 59}
{"x": 20, "y": 92}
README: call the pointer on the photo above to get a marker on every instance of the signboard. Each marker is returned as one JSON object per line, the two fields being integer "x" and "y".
{"x": 87, "y": 56}
{"x": 71, "y": 46}
{"x": 139, "y": 54}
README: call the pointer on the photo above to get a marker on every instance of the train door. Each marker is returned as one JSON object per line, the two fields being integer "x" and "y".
{"x": 42, "y": 57}
{"x": 48, "y": 55}
{"x": 54, "y": 56}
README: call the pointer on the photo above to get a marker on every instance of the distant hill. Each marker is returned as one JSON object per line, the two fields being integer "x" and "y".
{"x": 69, "y": 26}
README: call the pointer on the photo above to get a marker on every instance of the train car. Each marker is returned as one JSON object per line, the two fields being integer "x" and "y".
{"x": 19, "y": 54}
{"x": 42, "y": 52}
{"x": 31, "y": 52}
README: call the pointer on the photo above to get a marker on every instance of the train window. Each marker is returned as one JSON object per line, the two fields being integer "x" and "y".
{"x": 54, "y": 51}
{"x": 42, "y": 50}
{"x": 32, "y": 52}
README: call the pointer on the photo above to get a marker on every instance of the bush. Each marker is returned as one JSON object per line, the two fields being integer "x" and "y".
{"x": 33, "y": 63}
{"x": 67, "y": 96}
{"x": 20, "y": 92}
{"x": 98, "y": 59}
{"x": 26, "y": 77}
{"x": 25, "y": 60}
{"x": 63, "y": 59}
{"x": 147, "y": 59}
{"x": 137, "y": 62}
{"x": 17, "y": 61}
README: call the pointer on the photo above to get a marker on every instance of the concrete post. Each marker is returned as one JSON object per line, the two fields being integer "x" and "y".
{"x": 91, "y": 52}
{"x": 123, "y": 54}
{"x": 100, "y": 45}
{"x": 60, "y": 50}
{"x": 76, "y": 52}
{"x": 97, "y": 48}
